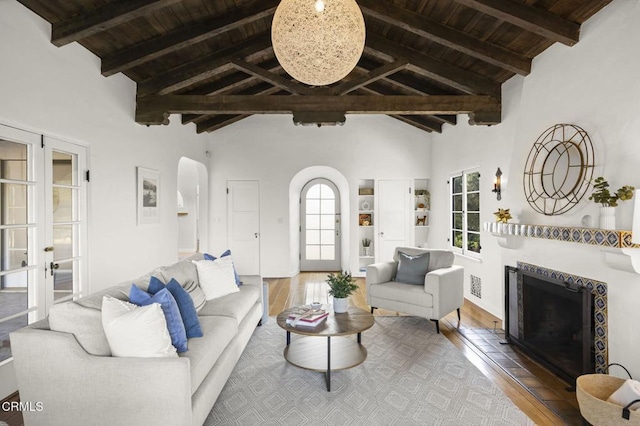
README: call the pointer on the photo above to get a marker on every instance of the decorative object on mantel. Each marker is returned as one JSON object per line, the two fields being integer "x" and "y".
{"x": 559, "y": 169}
{"x": 608, "y": 201}
{"x": 503, "y": 215}
{"x": 318, "y": 42}
{"x": 341, "y": 285}
{"x": 497, "y": 185}
{"x": 366, "y": 245}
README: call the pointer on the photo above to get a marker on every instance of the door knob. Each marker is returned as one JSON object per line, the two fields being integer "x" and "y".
{"x": 48, "y": 249}
{"x": 53, "y": 266}
{"x": 255, "y": 235}
{"x": 382, "y": 234}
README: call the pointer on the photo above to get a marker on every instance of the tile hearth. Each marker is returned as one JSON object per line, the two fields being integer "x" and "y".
{"x": 545, "y": 386}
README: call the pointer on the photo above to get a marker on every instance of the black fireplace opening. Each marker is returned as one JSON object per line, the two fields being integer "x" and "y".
{"x": 552, "y": 321}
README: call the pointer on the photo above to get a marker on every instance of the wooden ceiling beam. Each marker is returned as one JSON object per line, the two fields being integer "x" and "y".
{"x": 436, "y": 120}
{"x": 532, "y": 19}
{"x": 272, "y": 78}
{"x": 155, "y": 109}
{"x": 104, "y": 18}
{"x": 370, "y": 77}
{"x": 179, "y": 39}
{"x": 259, "y": 89}
{"x": 434, "y": 69}
{"x": 457, "y": 40}
{"x": 218, "y": 121}
{"x": 215, "y": 122}
{"x": 411, "y": 120}
{"x": 193, "y": 72}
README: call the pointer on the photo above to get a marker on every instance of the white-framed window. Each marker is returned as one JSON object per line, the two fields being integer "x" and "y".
{"x": 464, "y": 235}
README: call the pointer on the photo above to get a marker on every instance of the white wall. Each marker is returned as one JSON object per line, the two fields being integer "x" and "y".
{"x": 272, "y": 150}
{"x": 60, "y": 92}
{"x": 594, "y": 85}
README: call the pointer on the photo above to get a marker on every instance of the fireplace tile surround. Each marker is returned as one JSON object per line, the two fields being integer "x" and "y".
{"x": 599, "y": 291}
{"x": 591, "y": 236}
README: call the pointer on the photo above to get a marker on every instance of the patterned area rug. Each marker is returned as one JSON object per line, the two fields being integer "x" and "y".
{"x": 412, "y": 376}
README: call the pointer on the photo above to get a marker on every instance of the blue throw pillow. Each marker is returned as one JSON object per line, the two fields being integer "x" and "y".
{"x": 185, "y": 305}
{"x": 226, "y": 253}
{"x": 171, "y": 313}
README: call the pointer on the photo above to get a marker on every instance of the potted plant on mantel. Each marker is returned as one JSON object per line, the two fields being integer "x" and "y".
{"x": 341, "y": 286}
{"x": 608, "y": 201}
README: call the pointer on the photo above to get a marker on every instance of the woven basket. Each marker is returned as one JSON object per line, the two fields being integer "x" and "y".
{"x": 592, "y": 391}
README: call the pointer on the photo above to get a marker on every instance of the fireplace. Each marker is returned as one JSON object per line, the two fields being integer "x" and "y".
{"x": 556, "y": 319}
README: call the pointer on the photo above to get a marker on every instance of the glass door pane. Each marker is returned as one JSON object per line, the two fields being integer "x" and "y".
{"x": 320, "y": 218}
{"x": 65, "y": 221}
{"x": 16, "y": 236}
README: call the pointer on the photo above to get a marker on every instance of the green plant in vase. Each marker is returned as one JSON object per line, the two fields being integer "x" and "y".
{"x": 609, "y": 201}
{"x": 341, "y": 286}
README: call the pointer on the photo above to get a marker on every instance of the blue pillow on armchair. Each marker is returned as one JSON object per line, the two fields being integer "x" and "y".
{"x": 175, "y": 325}
{"x": 226, "y": 253}
{"x": 185, "y": 304}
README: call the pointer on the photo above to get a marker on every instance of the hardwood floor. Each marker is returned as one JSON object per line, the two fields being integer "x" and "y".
{"x": 310, "y": 287}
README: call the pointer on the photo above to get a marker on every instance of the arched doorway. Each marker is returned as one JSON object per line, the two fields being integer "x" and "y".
{"x": 193, "y": 207}
{"x": 298, "y": 181}
{"x": 320, "y": 226}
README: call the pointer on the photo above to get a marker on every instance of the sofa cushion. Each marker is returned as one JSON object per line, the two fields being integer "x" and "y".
{"x": 437, "y": 258}
{"x": 134, "y": 331}
{"x": 203, "y": 353}
{"x": 412, "y": 269}
{"x": 236, "y": 305}
{"x": 175, "y": 325}
{"x": 406, "y": 293}
{"x": 216, "y": 277}
{"x": 186, "y": 274}
{"x": 84, "y": 323}
{"x": 226, "y": 253}
{"x": 185, "y": 304}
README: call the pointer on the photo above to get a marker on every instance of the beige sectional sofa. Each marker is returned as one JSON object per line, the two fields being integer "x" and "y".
{"x": 72, "y": 373}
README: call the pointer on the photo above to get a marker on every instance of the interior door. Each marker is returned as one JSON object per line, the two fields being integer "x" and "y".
{"x": 243, "y": 212}
{"x": 394, "y": 216}
{"x": 320, "y": 226}
{"x": 65, "y": 224}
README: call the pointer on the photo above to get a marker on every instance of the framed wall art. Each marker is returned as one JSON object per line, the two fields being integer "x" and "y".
{"x": 148, "y": 196}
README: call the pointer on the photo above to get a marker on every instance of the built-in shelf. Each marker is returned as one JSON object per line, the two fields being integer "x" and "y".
{"x": 619, "y": 252}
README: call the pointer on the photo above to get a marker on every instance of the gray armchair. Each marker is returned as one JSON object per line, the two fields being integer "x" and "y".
{"x": 440, "y": 291}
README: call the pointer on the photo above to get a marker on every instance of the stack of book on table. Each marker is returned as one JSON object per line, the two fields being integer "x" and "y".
{"x": 306, "y": 316}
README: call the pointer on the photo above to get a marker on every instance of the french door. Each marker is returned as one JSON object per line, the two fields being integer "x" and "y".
{"x": 320, "y": 226}
{"x": 43, "y": 229}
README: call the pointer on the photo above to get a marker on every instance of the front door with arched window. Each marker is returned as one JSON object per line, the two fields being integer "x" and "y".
{"x": 320, "y": 226}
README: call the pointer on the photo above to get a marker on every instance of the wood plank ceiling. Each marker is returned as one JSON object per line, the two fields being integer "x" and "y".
{"x": 211, "y": 60}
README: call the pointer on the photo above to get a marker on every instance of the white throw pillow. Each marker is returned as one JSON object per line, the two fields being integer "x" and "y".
{"x": 216, "y": 277}
{"x": 136, "y": 331}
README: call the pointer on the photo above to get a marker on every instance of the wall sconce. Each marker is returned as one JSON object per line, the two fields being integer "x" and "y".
{"x": 496, "y": 184}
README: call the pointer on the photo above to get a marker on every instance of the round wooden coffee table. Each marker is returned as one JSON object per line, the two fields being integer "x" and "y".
{"x": 326, "y": 355}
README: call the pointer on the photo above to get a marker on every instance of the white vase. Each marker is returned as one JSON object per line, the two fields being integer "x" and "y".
{"x": 367, "y": 251}
{"x": 607, "y": 218}
{"x": 339, "y": 305}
